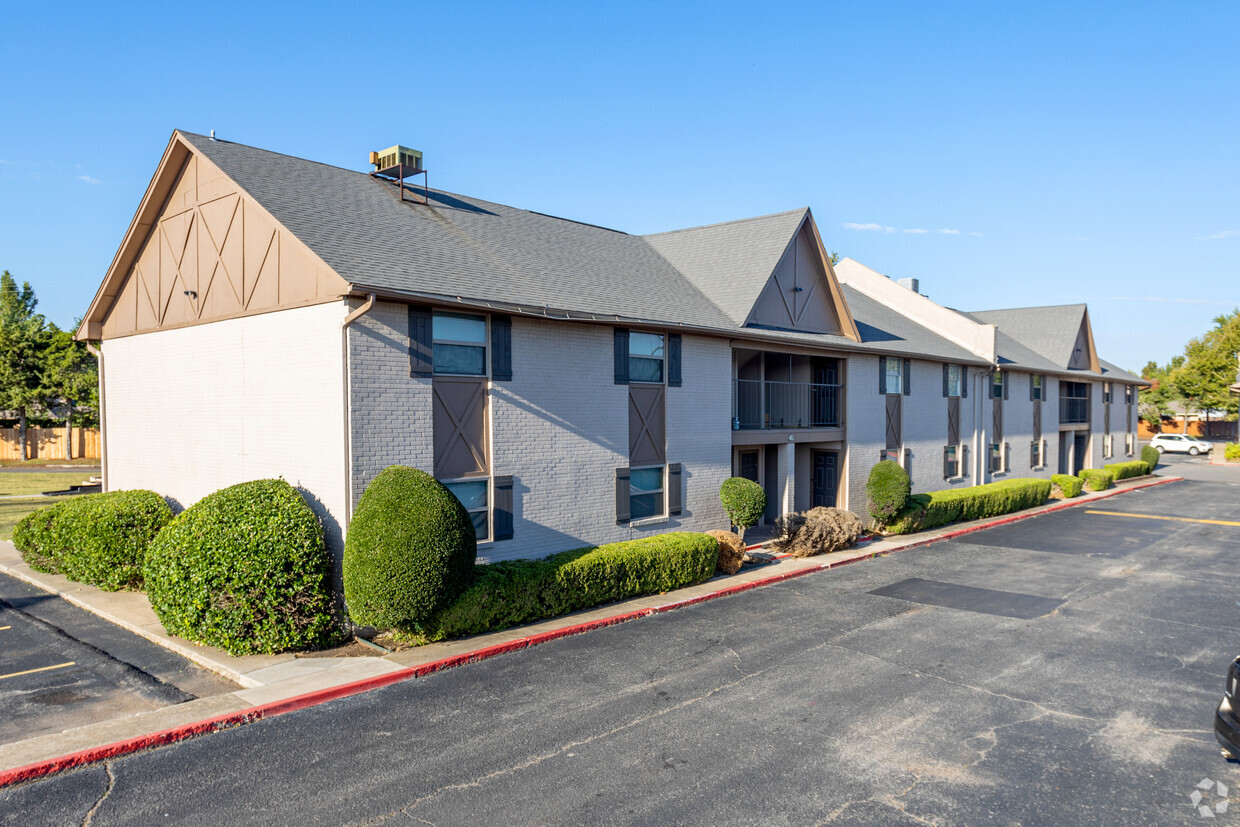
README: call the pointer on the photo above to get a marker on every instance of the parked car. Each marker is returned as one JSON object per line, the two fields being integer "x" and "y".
{"x": 1227, "y": 718}
{"x": 1181, "y": 444}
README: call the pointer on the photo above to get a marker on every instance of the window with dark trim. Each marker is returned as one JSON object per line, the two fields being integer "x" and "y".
{"x": 646, "y": 492}
{"x": 473, "y": 496}
{"x": 1037, "y": 386}
{"x": 1037, "y": 453}
{"x": 955, "y": 380}
{"x": 646, "y": 357}
{"x": 997, "y": 378}
{"x": 459, "y": 344}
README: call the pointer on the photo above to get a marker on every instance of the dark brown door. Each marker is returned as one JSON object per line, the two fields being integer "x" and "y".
{"x": 1079, "y": 447}
{"x": 749, "y": 465}
{"x": 826, "y": 478}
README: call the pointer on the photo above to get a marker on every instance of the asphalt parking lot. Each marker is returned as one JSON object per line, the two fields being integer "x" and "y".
{"x": 1061, "y": 670}
{"x": 62, "y": 667}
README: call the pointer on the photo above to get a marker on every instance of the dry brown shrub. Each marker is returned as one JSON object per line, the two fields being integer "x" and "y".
{"x": 817, "y": 531}
{"x": 731, "y": 550}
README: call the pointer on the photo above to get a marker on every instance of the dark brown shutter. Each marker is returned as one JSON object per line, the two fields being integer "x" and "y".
{"x": 622, "y": 492}
{"x": 953, "y": 420}
{"x": 673, "y": 360}
{"x": 945, "y": 372}
{"x": 893, "y": 421}
{"x": 421, "y": 363}
{"x": 459, "y": 427}
{"x": 1006, "y": 383}
{"x": 947, "y": 468}
{"x": 1007, "y": 456}
{"x": 501, "y": 508}
{"x": 1037, "y": 419}
{"x": 647, "y": 425}
{"x": 907, "y": 378}
{"x": 622, "y": 355}
{"x": 882, "y": 374}
{"x": 1031, "y": 378}
{"x": 964, "y": 381}
{"x": 997, "y": 421}
{"x": 501, "y": 348}
{"x": 908, "y": 461}
{"x": 675, "y": 496}
{"x": 964, "y": 460}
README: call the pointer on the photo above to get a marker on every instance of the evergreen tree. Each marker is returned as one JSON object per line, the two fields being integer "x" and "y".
{"x": 23, "y": 339}
{"x": 71, "y": 379}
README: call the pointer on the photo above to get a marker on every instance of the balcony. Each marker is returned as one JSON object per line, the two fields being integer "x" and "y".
{"x": 761, "y": 405}
{"x": 1073, "y": 403}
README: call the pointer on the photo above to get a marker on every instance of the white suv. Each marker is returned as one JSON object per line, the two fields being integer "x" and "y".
{"x": 1180, "y": 444}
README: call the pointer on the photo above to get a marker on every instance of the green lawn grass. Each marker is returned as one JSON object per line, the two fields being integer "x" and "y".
{"x": 11, "y": 512}
{"x": 36, "y": 463}
{"x": 36, "y": 482}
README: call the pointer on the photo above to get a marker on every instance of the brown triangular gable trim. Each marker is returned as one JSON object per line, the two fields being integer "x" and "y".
{"x": 1094, "y": 364}
{"x": 161, "y": 187}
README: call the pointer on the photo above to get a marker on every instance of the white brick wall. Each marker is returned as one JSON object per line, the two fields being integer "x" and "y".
{"x": 196, "y": 409}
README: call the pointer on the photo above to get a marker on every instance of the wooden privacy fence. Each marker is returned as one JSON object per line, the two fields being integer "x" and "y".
{"x": 48, "y": 443}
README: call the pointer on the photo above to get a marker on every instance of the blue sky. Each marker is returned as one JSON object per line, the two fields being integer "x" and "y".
{"x": 1051, "y": 153}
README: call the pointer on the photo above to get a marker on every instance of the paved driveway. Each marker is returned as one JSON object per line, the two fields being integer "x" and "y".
{"x": 1063, "y": 670}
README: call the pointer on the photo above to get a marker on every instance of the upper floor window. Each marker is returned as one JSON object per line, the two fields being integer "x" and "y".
{"x": 1129, "y": 392}
{"x": 997, "y": 379}
{"x": 459, "y": 344}
{"x": 954, "y": 383}
{"x": 1038, "y": 389}
{"x": 1106, "y": 391}
{"x": 895, "y": 376}
{"x": 646, "y": 357}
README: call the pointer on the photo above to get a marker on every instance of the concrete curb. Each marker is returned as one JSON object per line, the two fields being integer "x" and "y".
{"x": 230, "y": 720}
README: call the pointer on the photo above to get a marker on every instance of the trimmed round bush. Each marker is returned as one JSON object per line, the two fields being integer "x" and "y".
{"x": 100, "y": 539}
{"x": 1066, "y": 486}
{"x": 1097, "y": 479}
{"x": 743, "y": 500}
{"x": 887, "y": 491}
{"x": 409, "y": 553}
{"x": 244, "y": 569}
{"x": 1150, "y": 456}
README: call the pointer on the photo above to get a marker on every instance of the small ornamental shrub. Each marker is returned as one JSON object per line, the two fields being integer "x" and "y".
{"x": 1066, "y": 486}
{"x": 1124, "y": 470}
{"x": 524, "y": 591}
{"x": 887, "y": 491}
{"x": 244, "y": 569}
{"x": 1096, "y": 479}
{"x": 99, "y": 539}
{"x": 817, "y": 531}
{"x": 744, "y": 501}
{"x": 1150, "y": 455}
{"x": 410, "y": 550}
{"x": 1232, "y": 451}
{"x": 939, "y": 508}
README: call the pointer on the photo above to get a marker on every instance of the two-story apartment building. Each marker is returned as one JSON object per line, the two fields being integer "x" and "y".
{"x": 271, "y": 316}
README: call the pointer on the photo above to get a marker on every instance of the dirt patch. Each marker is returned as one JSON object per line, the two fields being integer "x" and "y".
{"x": 1132, "y": 738}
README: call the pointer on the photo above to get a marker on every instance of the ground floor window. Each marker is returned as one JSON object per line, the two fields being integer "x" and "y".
{"x": 953, "y": 461}
{"x": 1130, "y": 444}
{"x": 1037, "y": 453}
{"x": 645, "y": 492}
{"x": 473, "y": 495}
{"x": 998, "y": 458}
{"x": 891, "y": 455}
{"x": 1108, "y": 446}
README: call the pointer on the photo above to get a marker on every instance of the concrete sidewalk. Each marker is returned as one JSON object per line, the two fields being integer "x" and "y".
{"x": 274, "y": 684}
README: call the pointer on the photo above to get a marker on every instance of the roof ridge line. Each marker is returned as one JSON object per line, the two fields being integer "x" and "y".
{"x": 729, "y": 221}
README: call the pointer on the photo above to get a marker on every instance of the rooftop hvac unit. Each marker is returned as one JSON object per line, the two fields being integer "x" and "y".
{"x": 911, "y": 284}
{"x": 397, "y": 161}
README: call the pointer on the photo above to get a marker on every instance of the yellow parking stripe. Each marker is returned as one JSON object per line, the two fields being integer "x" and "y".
{"x": 1160, "y": 517}
{"x": 32, "y": 671}
{"x": 5, "y": 628}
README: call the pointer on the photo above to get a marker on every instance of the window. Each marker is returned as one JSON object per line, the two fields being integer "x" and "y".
{"x": 1129, "y": 445}
{"x": 645, "y": 492}
{"x": 1037, "y": 453}
{"x": 890, "y": 454}
{"x": 1106, "y": 391}
{"x": 473, "y": 495}
{"x": 953, "y": 380}
{"x": 646, "y": 354}
{"x": 1038, "y": 389}
{"x": 894, "y": 376}
{"x": 951, "y": 462}
{"x": 459, "y": 344}
{"x": 996, "y": 384}
{"x": 1108, "y": 446}
{"x": 996, "y": 457}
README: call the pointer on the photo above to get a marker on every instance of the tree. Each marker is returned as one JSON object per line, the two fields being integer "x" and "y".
{"x": 833, "y": 257}
{"x": 1156, "y": 400}
{"x": 1209, "y": 366}
{"x": 71, "y": 379}
{"x": 23, "y": 338}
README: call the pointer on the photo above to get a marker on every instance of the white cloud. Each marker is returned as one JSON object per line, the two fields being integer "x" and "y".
{"x": 851, "y": 225}
{"x": 1223, "y": 234}
{"x": 979, "y": 235}
{"x": 88, "y": 179}
{"x": 916, "y": 230}
{"x": 950, "y": 232}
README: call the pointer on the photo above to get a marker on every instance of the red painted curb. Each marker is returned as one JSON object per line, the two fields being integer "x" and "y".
{"x": 320, "y": 696}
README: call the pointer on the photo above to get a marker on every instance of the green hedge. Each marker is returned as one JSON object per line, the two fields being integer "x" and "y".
{"x": 1150, "y": 455}
{"x": 244, "y": 569}
{"x": 523, "y": 591}
{"x": 1097, "y": 479}
{"x": 1067, "y": 485}
{"x": 99, "y": 539}
{"x": 409, "y": 552}
{"x": 939, "y": 508}
{"x": 1232, "y": 451}
{"x": 887, "y": 491}
{"x": 1124, "y": 470}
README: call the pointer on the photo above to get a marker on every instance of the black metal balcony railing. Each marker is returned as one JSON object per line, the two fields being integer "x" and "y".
{"x": 1073, "y": 411}
{"x": 764, "y": 405}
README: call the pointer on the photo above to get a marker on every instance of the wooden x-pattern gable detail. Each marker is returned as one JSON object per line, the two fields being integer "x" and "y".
{"x": 646, "y": 424}
{"x": 893, "y": 421}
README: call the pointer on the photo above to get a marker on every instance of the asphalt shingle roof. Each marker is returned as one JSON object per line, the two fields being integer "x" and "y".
{"x": 1050, "y": 332}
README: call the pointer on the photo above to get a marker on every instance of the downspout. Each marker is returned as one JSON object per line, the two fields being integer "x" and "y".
{"x": 348, "y": 413}
{"x": 103, "y": 416}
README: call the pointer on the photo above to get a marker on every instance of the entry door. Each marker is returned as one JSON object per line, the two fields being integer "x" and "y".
{"x": 1065, "y": 453}
{"x": 1080, "y": 446}
{"x": 826, "y": 478}
{"x": 749, "y": 465}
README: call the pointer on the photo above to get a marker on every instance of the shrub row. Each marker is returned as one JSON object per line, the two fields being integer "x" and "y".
{"x": 1066, "y": 486}
{"x": 939, "y": 508}
{"x": 1150, "y": 456}
{"x": 523, "y": 591}
{"x": 100, "y": 539}
{"x": 1097, "y": 479}
{"x": 887, "y": 491}
{"x": 1124, "y": 470}
{"x": 1232, "y": 451}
